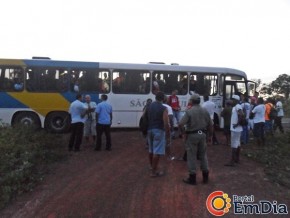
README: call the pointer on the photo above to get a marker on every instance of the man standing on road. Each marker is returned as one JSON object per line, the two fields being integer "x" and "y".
{"x": 157, "y": 129}
{"x": 258, "y": 114}
{"x": 104, "y": 118}
{"x": 280, "y": 115}
{"x": 90, "y": 123}
{"x": 210, "y": 107}
{"x": 198, "y": 126}
{"x": 236, "y": 130}
{"x": 77, "y": 111}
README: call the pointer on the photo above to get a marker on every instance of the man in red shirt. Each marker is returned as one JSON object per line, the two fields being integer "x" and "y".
{"x": 173, "y": 101}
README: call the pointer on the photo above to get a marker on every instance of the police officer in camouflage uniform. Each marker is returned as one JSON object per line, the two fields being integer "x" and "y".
{"x": 198, "y": 129}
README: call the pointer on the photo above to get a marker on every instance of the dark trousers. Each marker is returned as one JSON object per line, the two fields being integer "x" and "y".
{"x": 76, "y": 136}
{"x": 278, "y": 123}
{"x": 106, "y": 129}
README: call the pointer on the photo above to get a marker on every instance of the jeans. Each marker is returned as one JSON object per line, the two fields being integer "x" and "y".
{"x": 103, "y": 128}
{"x": 245, "y": 135}
{"x": 76, "y": 136}
{"x": 278, "y": 123}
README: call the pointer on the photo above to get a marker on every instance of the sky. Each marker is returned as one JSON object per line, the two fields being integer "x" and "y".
{"x": 249, "y": 35}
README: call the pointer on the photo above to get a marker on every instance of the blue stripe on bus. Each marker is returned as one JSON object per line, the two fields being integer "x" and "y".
{"x": 61, "y": 64}
{"x": 6, "y": 101}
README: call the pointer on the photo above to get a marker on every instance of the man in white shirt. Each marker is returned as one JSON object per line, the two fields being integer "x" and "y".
{"x": 236, "y": 130}
{"x": 259, "y": 121}
{"x": 77, "y": 111}
{"x": 90, "y": 123}
{"x": 210, "y": 107}
{"x": 280, "y": 115}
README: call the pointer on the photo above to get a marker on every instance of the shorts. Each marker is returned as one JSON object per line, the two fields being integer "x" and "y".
{"x": 156, "y": 141}
{"x": 90, "y": 128}
{"x": 235, "y": 139}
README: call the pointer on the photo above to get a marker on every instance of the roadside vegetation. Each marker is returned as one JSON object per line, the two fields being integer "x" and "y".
{"x": 274, "y": 156}
{"x": 25, "y": 157}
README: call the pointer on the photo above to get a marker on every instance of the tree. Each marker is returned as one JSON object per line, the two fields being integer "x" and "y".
{"x": 281, "y": 85}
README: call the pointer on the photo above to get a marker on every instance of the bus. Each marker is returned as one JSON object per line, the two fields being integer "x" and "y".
{"x": 39, "y": 91}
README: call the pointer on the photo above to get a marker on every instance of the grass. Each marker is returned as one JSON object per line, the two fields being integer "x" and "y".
{"x": 274, "y": 156}
{"x": 25, "y": 157}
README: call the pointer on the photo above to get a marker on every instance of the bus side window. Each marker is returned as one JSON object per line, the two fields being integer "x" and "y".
{"x": 105, "y": 81}
{"x": 30, "y": 80}
{"x": 11, "y": 79}
{"x": 118, "y": 82}
{"x": 204, "y": 84}
{"x": 169, "y": 81}
{"x": 51, "y": 80}
{"x": 193, "y": 84}
{"x": 63, "y": 80}
{"x": 131, "y": 82}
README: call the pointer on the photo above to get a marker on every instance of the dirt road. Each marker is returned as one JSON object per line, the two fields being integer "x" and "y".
{"x": 117, "y": 184}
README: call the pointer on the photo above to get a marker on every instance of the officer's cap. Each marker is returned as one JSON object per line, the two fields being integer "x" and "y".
{"x": 195, "y": 97}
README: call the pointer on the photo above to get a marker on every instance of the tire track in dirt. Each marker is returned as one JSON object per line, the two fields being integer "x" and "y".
{"x": 117, "y": 184}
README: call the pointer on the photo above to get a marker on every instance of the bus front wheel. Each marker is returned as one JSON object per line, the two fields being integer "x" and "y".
{"x": 27, "y": 119}
{"x": 57, "y": 122}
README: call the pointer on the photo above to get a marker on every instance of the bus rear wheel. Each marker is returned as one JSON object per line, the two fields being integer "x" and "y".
{"x": 57, "y": 122}
{"x": 27, "y": 119}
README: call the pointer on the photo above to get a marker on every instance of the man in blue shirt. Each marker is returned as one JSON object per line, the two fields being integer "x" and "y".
{"x": 104, "y": 120}
{"x": 77, "y": 111}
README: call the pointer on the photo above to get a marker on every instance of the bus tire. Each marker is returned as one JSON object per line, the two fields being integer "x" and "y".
{"x": 27, "y": 118}
{"x": 57, "y": 122}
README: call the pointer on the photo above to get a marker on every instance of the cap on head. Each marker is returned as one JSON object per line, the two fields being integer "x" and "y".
{"x": 236, "y": 97}
{"x": 195, "y": 97}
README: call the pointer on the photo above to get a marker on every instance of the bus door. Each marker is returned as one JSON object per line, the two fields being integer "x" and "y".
{"x": 230, "y": 88}
{"x": 251, "y": 87}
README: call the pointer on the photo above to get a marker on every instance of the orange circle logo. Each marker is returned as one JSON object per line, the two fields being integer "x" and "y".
{"x": 218, "y": 203}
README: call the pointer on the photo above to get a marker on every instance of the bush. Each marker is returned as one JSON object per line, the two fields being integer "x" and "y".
{"x": 286, "y": 106}
{"x": 275, "y": 158}
{"x": 25, "y": 155}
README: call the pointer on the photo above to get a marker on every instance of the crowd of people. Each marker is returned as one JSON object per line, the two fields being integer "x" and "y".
{"x": 90, "y": 119}
{"x": 243, "y": 117}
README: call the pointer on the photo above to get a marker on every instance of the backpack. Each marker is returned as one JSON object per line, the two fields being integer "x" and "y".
{"x": 242, "y": 120}
{"x": 144, "y": 122}
{"x": 273, "y": 113}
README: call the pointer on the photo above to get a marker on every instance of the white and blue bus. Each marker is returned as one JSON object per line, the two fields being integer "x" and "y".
{"x": 40, "y": 90}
